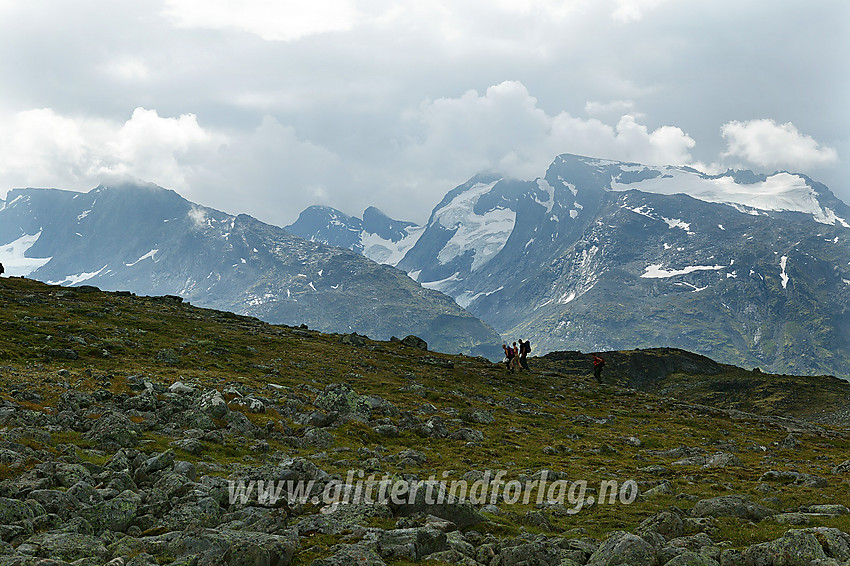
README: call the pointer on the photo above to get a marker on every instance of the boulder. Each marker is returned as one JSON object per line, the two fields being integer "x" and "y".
{"x": 623, "y": 548}
{"x": 731, "y": 506}
{"x": 411, "y": 544}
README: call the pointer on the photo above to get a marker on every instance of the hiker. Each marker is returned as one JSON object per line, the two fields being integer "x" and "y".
{"x": 2, "y": 271}
{"x": 509, "y": 356}
{"x": 524, "y": 350}
{"x": 516, "y": 356}
{"x": 598, "y": 365}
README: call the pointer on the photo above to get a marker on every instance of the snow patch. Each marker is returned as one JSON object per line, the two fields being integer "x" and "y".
{"x": 442, "y": 283}
{"x": 676, "y": 223}
{"x": 78, "y": 278}
{"x": 483, "y": 234}
{"x": 466, "y": 298}
{"x": 13, "y": 256}
{"x": 386, "y": 251}
{"x": 655, "y": 271}
{"x": 779, "y": 192}
{"x": 783, "y": 262}
{"x": 544, "y": 185}
{"x": 150, "y": 254}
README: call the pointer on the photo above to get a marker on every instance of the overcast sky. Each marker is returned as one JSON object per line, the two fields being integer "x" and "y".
{"x": 266, "y": 107}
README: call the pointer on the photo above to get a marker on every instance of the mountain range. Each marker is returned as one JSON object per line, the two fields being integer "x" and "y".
{"x": 150, "y": 240}
{"x": 594, "y": 254}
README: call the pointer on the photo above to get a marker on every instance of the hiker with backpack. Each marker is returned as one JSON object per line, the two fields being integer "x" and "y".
{"x": 524, "y": 350}
{"x": 598, "y": 366}
{"x": 2, "y": 271}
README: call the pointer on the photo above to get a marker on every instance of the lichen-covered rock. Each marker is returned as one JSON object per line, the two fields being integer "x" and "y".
{"x": 114, "y": 514}
{"x": 795, "y": 548}
{"x": 411, "y": 544}
{"x": 213, "y": 404}
{"x": 623, "y": 548}
{"x": 665, "y": 523}
{"x": 432, "y": 498}
{"x": 348, "y": 554}
{"x": 341, "y": 399}
{"x": 224, "y": 547}
{"x": 112, "y": 431}
{"x": 68, "y": 547}
{"x": 731, "y": 506}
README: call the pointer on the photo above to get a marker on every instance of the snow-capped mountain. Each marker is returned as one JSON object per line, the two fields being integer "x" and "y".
{"x": 376, "y": 235}
{"x": 150, "y": 240}
{"x": 598, "y": 254}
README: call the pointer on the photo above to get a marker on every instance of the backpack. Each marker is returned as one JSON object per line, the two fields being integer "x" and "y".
{"x": 527, "y": 346}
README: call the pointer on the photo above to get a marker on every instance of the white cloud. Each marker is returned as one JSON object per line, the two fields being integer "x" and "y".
{"x": 270, "y": 19}
{"x": 506, "y": 129}
{"x": 48, "y": 149}
{"x": 766, "y": 143}
{"x": 633, "y": 10}
{"x": 618, "y": 107}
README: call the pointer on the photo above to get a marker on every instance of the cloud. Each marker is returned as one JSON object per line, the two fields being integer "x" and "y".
{"x": 506, "y": 129}
{"x": 766, "y": 143}
{"x": 269, "y": 19}
{"x": 633, "y": 10}
{"x": 618, "y": 107}
{"x": 48, "y": 149}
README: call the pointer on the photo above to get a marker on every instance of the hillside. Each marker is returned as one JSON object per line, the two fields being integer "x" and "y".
{"x": 125, "y": 417}
{"x": 150, "y": 240}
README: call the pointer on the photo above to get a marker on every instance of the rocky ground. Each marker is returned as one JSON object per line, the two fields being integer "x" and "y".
{"x": 127, "y": 421}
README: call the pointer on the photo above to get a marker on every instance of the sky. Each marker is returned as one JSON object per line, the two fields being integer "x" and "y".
{"x": 266, "y": 107}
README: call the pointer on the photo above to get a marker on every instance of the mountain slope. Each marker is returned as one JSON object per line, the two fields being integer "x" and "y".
{"x": 152, "y": 241}
{"x": 597, "y": 254}
{"x": 376, "y": 235}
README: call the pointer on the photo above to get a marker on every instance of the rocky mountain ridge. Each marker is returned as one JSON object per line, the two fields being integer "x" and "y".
{"x": 150, "y": 240}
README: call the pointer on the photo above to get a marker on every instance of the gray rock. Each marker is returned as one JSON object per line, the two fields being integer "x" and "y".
{"x": 414, "y": 342}
{"x": 224, "y": 547}
{"x": 388, "y": 430}
{"x": 795, "y": 478}
{"x": 826, "y": 509}
{"x": 731, "y": 506}
{"x": 341, "y": 399}
{"x": 159, "y": 462}
{"x": 12, "y": 510}
{"x": 538, "y": 553}
{"x": 167, "y": 356}
{"x": 213, "y": 404}
{"x": 842, "y": 468}
{"x": 795, "y": 548}
{"x": 689, "y": 558}
{"x": 623, "y": 548}
{"x": 65, "y": 546}
{"x": 112, "y": 431}
{"x": 181, "y": 388}
{"x": 834, "y": 542}
{"x": 723, "y": 460}
{"x": 115, "y": 514}
{"x": 416, "y": 500}
{"x": 348, "y": 554}
{"x": 478, "y": 416}
{"x": 411, "y": 544}
{"x": 665, "y": 523}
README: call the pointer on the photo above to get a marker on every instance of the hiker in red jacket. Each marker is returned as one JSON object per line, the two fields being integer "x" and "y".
{"x": 598, "y": 365}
